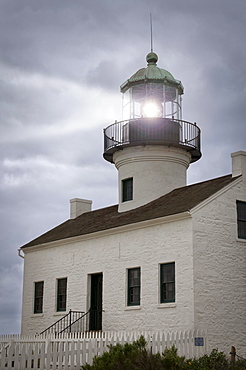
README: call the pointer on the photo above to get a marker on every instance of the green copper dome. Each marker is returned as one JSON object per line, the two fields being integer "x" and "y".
{"x": 152, "y": 73}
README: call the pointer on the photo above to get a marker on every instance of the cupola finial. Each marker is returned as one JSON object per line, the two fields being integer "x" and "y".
{"x": 151, "y": 34}
{"x": 152, "y": 57}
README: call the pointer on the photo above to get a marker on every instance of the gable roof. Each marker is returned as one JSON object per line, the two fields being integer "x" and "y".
{"x": 177, "y": 201}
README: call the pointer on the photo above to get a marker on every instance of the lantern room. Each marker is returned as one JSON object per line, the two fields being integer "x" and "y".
{"x": 152, "y": 92}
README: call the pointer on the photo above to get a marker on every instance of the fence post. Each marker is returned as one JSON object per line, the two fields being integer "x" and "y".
{"x": 233, "y": 355}
{"x": 70, "y": 320}
{"x": 151, "y": 344}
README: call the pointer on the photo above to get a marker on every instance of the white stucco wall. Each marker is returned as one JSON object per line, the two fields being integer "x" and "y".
{"x": 112, "y": 255}
{"x": 220, "y": 271}
{"x": 156, "y": 170}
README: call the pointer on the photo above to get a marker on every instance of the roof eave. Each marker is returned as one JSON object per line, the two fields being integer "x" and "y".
{"x": 111, "y": 231}
{"x": 165, "y": 81}
{"x": 216, "y": 195}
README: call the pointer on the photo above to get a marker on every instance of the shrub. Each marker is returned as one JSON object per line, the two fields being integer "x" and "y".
{"x": 136, "y": 356}
{"x": 240, "y": 365}
{"x": 171, "y": 360}
{"x": 126, "y": 357}
{"x": 216, "y": 361}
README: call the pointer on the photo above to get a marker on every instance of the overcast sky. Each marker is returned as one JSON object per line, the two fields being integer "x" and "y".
{"x": 61, "y": 66}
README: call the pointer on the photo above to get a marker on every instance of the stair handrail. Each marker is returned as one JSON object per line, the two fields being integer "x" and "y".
{"x": 81, "y": 317}
{"x": 62, "y": 318}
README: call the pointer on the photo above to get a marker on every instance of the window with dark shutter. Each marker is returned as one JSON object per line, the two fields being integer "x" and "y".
{"x": 241, "y": 219}
{"x": 134, "y": 287}
{"x": 127, "y": 189}
{"x": 167, "y": 280}
{"x": 61, "y": 294}
{"x": 38, "y": 297}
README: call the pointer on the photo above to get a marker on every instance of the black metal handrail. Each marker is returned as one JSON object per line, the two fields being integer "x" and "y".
{"x": 152, "y": 131}
{"x": 72, "y": 321}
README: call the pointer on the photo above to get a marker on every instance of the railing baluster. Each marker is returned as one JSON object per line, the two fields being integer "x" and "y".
{"x": 117, "y": 134}
{"x": 65, "y": 324}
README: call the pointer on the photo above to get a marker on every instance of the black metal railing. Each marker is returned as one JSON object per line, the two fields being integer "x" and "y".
{"x": 73, "y": 321}
{"x": 152, "y": 131}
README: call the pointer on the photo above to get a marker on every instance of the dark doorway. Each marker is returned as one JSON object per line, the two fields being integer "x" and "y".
{"x": 96, "y": 302}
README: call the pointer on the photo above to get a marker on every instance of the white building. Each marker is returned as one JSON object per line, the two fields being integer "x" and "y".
{"x": 169, "y": 256}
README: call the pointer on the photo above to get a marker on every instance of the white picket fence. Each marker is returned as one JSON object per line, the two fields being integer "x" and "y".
{"x": 71, "y": 351}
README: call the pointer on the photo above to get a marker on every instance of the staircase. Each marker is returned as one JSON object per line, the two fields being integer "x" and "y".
{"x": 73, "y": 321}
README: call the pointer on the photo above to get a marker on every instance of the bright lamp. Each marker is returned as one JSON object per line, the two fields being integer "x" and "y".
{"x": 151, "y": 108}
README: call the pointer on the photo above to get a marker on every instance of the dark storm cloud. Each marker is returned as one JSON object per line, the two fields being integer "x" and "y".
{"x": 105, "y": 75}
{"x": 61, "y": 65}
{"x": 57, "y": 36}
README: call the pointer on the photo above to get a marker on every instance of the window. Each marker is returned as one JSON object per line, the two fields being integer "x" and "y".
{"x": 241, "y": 219}
{"x": 167, "y": 282}
{"x": 38, "y": 297}
{"x": 133, "y": 298}
{"x": 127, "y": 189}
{"x": 61, "y": 294}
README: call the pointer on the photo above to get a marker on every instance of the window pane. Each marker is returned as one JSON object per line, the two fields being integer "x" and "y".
{"x": 134, "y": 277}
{"x": 241, "y": 219}
{"x": 133, "y": 287}
{"x": 241, "y": 211}
{"x": 242, "y": 229}
{"x": 61, "y": 294}
{"x": 167, "y": 282}
{"x": 169, "y": 291}
{"x": 127, "y": 190}
{"x": 38, "y": 297}
{"x": 168, "y": 273}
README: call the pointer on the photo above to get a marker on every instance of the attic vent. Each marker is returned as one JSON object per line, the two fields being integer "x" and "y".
{"x": 79, "y": 206}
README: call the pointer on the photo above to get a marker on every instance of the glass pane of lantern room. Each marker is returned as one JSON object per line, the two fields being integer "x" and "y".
{"x": 126, "y": 105}
{"x": 138, "y": 96}
{"x": 131, "y": 105}
{"x": 154, "y": 91}
{"x": 136, "y": 110}
{"x": 143, "y": 93}
{"x": 179, "y": 103}
{"x": 171, "y": 106}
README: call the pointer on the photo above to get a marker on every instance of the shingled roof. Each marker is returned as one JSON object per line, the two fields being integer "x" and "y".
{"x": 177, "y": 201}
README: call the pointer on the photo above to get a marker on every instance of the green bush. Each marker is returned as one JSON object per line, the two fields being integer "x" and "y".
{"x": 136, "y": 356}
{"x": 216, "y": 361}
{"x": 128, "y": 356}
{"x": 170, "y": 359}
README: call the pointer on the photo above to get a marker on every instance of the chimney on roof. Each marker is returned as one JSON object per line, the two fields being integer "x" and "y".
{"x": 79, "y": 206}
{"x": 238, "y": 163}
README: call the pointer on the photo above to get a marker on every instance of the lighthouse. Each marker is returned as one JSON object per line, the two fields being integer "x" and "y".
{"x": 165, "y": 257}
{"x": 152, "y": 147}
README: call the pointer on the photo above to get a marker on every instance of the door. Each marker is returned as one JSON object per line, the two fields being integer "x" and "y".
{"x": 96, "y": 302}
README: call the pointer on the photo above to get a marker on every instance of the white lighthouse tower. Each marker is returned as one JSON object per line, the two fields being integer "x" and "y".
{"x": 152, "y": 147}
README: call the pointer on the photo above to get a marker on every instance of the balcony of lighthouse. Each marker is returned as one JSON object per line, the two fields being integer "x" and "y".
{"x": 144, "y": 131}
